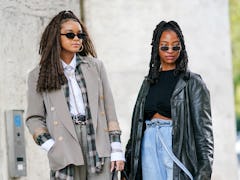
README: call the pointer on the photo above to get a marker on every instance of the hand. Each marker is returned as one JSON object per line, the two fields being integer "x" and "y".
{"x": 119, "y": 165}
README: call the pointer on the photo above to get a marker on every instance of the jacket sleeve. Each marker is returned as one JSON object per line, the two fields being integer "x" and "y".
{"x": 199, "y": 102}
{"x": 109, "y": 105}
{"x": 134, "y": 143}
{"x": 35, "y": 116}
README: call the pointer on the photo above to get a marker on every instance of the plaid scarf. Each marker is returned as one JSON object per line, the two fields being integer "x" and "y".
{"x": 95, "y": 164}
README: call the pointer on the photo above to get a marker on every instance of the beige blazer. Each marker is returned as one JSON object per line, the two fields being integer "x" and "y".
{"x": 48, "y": 112}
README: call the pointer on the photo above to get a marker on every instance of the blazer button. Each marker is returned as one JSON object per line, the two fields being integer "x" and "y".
{"x": 55, "y": 122}
{"x": 60, "y": 138}
{"x": 52, "y": 108}
{"x": 102, "y": 113}
{"x": 101, "y": 97}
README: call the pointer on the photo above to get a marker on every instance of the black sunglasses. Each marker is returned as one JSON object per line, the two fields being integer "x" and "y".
{"x": 166, "y": 48}
{"x": 71, "y": 35}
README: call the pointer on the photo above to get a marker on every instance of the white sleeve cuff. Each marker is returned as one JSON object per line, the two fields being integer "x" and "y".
{"x": 116, "y": 146}
{"x": 117, "y": 153}
{"x": 117, "y": 156}
{"x": 47, "y": 145}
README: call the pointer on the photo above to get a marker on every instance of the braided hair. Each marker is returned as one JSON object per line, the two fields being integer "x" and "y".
{"x": 155, "y": 63}
{"x": 51, "y": 75}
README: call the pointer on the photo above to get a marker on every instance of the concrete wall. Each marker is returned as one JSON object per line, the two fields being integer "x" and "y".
{"x": 122, "y": 32}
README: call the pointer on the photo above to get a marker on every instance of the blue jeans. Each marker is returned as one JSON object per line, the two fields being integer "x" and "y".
{"x": 156, "y": 162}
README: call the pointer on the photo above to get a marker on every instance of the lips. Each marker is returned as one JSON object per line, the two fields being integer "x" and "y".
{"x": 75, "y": 45}
{"x": 170, "y": 57}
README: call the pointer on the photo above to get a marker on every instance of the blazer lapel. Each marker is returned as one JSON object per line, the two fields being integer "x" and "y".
{"x": 92, "y": 79}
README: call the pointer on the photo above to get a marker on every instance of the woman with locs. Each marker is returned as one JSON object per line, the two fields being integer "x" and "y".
{"x": 71, "y": 112}
{"x": 171, "y": 134}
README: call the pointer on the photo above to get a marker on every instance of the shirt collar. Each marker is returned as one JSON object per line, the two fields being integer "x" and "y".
{"x": 72, "y": 63}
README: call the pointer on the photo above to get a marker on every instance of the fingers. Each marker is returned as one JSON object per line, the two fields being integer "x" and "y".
{"x": 119, "y": 165}
{"x": 112, "y": 166}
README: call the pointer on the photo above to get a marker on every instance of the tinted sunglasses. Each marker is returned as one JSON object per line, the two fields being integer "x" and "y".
{"x": 166, "y": 48}
{"x": 71, "y": 35}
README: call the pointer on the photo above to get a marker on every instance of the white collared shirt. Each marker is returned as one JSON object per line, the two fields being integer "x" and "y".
{"x": 75, "y": 94}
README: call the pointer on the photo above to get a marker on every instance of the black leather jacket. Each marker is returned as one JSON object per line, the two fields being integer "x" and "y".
{"x": 192, "y": 129}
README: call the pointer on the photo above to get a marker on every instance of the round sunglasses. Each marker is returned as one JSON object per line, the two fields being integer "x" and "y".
{"x": 166, "y": 48}
{"x": 71, "y": 35}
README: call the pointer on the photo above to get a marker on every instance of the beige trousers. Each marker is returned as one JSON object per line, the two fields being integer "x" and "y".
{"x": 81, "y": 171}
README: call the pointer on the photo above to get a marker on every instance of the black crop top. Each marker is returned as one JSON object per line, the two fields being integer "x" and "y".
{"x": 159, "y": 95}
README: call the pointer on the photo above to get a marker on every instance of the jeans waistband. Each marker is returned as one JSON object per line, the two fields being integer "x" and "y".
{"x": 155, "y": 122}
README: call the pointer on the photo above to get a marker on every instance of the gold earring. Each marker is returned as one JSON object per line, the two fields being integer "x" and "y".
{"x": 81, "y": 48}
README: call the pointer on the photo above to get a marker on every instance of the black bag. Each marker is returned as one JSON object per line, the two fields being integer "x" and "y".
{"x": 123, "y": 173}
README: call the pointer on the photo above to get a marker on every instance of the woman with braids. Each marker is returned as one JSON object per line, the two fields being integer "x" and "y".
{"x": 70, "y": 110}
{"x": 171, "y": 134}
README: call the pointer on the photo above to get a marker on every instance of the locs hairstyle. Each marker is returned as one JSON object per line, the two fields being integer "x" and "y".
{"x": 182, "y": 61}
{"x": 51, "y": 75}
